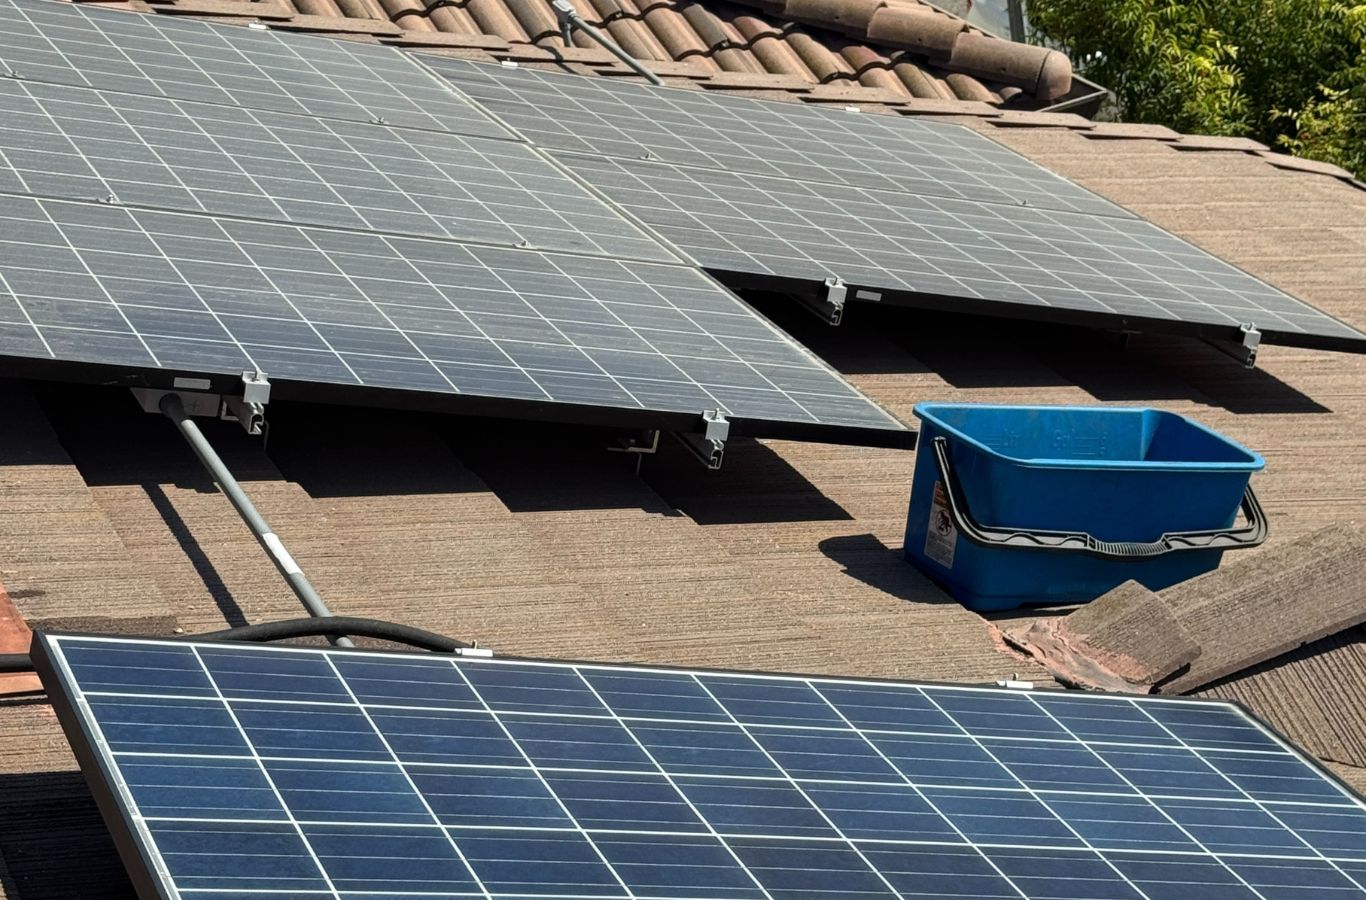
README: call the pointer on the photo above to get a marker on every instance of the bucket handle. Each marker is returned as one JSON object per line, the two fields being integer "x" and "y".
{"x": 1250, "y": 535}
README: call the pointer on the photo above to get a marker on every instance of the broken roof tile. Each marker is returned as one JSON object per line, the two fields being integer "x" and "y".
{"x": 15, "y": 638}
{"x": 1127, "y": 640}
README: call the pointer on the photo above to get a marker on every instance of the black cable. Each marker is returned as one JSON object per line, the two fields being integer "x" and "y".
{"x": 293, "y": 628}
{"x": 334, "y": 625}
{"x": 15, "y": 662}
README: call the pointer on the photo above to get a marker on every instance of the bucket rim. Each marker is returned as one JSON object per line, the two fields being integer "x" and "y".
{"x": 928, "y": 413}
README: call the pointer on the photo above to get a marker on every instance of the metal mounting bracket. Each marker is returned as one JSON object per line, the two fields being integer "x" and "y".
{"x": 247, "y": 409}
{"x": 828, "y": 307}
{"x": 1244, "y": 350}
{"x": 639, "y": 444}
{"x": 710, "y": 444}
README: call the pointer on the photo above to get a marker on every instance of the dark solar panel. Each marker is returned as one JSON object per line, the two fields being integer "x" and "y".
{"x": 957, "y": 254}
{"x": 612, "y": 117}
{"x": 192, "y": 294}
{"x": 85, "y": 144}
{"x": 66, "y": 43}
{"x": 902, "y": 211}
{"x": 267, "y": 200}
{"x": 283, "y": 773}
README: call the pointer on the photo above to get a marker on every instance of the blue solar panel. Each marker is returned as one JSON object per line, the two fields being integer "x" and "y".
{"x": 283, "y": 773}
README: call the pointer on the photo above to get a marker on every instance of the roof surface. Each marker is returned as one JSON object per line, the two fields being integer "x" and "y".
{"x": 535, "y": 540}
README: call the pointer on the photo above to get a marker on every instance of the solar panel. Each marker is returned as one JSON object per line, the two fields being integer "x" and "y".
{"x": 314, "y": 174}
{"x": 87, "y": 144}
{"x": 957, "y": 255}
{"x": 285, "y": 773}
{"x": 902, "y": 211}
{"x": 66, "y": 43}
{"x": 144, "y": 291}
{"x": 611, "y": 117}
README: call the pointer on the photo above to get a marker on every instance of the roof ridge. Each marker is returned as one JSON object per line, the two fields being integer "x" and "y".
{"x": 947, "y": 40}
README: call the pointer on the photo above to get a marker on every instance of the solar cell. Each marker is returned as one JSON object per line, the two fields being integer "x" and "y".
{"x": 86, "y": 144}
{"x": 467, "y": 325}
{"x": 65, "y": 43}
{"x": 271, "y": 772}
{"x": 615, "y": 118}
{"x": 958, "y": 255}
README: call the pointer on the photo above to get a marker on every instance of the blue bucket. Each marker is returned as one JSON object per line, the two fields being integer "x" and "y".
{"x": 1013, "y": 505}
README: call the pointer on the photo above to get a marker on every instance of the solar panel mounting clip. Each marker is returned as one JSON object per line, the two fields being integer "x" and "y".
{"x": 709, "y": 443}
{"x": 829, "y": 306}
{"x": 1245, "y": 349}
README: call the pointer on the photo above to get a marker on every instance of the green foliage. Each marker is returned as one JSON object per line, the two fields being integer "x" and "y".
{"x": 1290, "y": 73}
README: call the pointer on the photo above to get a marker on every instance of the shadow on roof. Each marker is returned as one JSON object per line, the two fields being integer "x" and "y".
{"x": 54, "y": 843}
{"x": 333, "y": 451}
{"x": 865, "y": 344}
{"x": 755, "y": 486}
{"x": 113, "y": 442}
{"x": 1204, "y": 373}
{"x": 540, "y": 467}
{"x": 222, "y": 596}
{"x": 865, "y": 557}
{"x": 973, "y": 352}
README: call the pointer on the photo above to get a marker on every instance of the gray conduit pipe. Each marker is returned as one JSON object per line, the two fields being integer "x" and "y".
{"x": 174, "y": 410}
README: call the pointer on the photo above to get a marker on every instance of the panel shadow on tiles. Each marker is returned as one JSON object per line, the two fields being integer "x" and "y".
{"x": 161, "y": 56}
{"x": 349, "y": 773}
{"x": 448, "y": 325}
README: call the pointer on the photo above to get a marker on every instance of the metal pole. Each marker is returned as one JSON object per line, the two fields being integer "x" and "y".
{"x": 566, "y": 13}
{"x": 1015, "y": 10}
{"x": 174, "y": 410}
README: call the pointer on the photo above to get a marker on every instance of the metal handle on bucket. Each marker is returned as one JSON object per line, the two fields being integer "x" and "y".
{"x": 1252, "y": 534}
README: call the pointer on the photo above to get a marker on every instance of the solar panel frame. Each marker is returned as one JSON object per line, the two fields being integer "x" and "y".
{"x": 517, "y": 699}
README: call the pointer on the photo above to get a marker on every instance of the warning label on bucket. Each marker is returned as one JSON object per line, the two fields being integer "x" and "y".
{"x": 941, "y": 538}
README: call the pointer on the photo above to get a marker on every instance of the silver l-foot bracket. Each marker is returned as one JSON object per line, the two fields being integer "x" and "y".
{"x": 639, "y": 444}
{"x": 708, "y": 445}
{"x": 1244, "y": 350}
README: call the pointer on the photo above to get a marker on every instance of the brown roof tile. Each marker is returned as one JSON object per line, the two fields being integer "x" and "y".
{"x": 15, "y": 638}
{"x": 1127, "y": 640}
{"x": 330, "y": 23}
{"x": 263, "y": 9}
{"x": 1255, "y": 609}
{"x": 919, "y": 29}
{"x": 1315, "y": 695}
